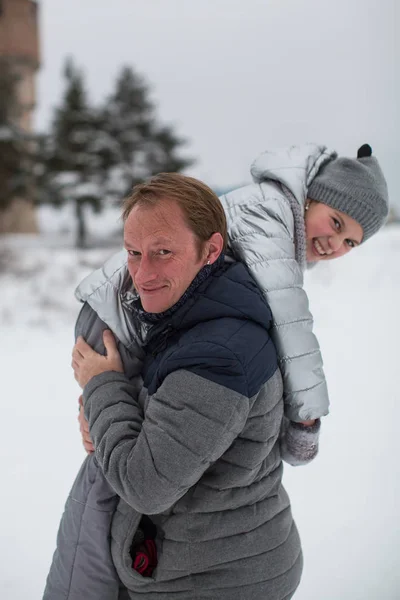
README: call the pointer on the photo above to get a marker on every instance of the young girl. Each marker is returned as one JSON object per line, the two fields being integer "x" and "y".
{"x": 306, "y": 205}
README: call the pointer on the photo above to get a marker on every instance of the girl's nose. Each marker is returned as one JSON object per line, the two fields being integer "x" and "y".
{"x": 335, "y": 242}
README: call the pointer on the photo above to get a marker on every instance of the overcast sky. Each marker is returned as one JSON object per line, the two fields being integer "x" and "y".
{"x": 237, "y": 77}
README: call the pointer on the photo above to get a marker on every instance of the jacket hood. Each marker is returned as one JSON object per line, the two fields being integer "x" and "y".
{"x": 294, "y": 167}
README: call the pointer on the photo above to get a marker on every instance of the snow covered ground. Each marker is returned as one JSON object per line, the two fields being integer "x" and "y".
{"x": 346, "y": 503}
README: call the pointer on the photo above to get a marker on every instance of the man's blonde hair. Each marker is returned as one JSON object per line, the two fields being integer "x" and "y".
{"x": 201, "y": 207}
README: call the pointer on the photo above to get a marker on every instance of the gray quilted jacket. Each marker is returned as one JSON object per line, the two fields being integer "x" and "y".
{"x": 214, "y": 400}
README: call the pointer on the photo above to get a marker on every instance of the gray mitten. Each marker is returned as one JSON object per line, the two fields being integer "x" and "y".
{"x": 298, "y": 442}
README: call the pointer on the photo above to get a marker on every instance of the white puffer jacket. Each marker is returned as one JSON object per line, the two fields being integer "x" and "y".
{"x": 267, "y": 232}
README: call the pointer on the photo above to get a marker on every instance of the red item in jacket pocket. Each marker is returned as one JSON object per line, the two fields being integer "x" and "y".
{"x": 145, "y": 559}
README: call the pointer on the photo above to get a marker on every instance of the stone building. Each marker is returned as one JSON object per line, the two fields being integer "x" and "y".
{"x": 19, "y": 45}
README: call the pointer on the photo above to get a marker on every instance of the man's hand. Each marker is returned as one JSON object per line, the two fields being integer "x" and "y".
{"x": 84, "y": 429}
{"x": 87, "y": 363}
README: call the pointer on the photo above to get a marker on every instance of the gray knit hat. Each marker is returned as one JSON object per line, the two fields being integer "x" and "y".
{"x": 355, "y": 186}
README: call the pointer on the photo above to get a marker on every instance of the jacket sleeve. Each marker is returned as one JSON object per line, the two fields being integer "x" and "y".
{"x": 91, "y": 328}
{"x": 260, "y": 236}
{"x": 152, "y": 460}
{"x": 83, "y": 541}
{"x": 83, "y": 536}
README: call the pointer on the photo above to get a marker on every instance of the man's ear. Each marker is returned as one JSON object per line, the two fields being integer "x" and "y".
{"x": 214, "y": 245}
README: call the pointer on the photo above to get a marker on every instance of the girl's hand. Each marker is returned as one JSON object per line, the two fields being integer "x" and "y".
{"x": 87, "y": 363}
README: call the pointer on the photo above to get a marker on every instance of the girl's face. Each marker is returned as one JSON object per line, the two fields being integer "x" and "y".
{"x": 330, "y": 233}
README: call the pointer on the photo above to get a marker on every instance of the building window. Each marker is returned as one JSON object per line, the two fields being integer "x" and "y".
{"x": 1, "y": 8}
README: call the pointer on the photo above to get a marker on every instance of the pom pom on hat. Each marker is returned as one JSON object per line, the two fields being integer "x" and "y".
{"x": 364, "y": 151}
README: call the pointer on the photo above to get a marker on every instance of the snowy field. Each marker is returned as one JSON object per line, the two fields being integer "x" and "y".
{"x": 346, "y": 504}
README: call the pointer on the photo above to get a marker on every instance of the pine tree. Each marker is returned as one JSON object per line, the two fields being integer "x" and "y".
{"x": 142, "y": 147}
{"x": 15, "y": 149}
{"x": 95, "y": 154}
{"x": 74, "y": 164}
{"x": 161, "y": 152}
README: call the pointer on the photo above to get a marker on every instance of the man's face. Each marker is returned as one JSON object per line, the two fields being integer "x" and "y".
{"x": 163, "y": 254}
{"x": 330, "y": 232}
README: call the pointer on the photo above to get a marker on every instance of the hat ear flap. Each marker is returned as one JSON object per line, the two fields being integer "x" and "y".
{"x": 364, "y": 151}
